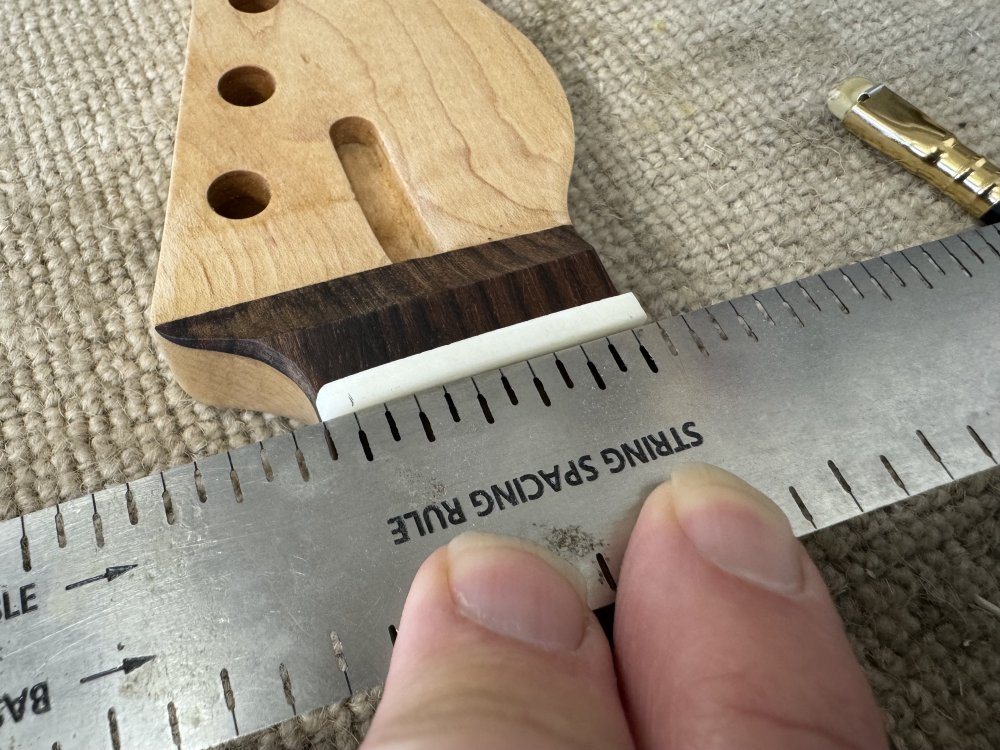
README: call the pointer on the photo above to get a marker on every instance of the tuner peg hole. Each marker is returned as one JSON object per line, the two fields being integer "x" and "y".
{"x": 246, "y": 86}
{"x": 253, "y": 6}
{"x": 239, "y": 195}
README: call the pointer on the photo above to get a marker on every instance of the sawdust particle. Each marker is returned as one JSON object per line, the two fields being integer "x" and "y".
{"x": 571, "y": 540}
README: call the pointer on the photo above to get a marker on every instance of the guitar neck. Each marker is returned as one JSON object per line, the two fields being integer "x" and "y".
{"x": 373, "y": 182}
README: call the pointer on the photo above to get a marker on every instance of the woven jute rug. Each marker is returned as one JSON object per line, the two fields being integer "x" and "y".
{"x": 707, "y": 167}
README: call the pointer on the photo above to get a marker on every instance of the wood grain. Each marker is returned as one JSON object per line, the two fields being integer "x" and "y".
{"x": 464, "y": 115}
{"x": 230, "y": 381}
{"x": 325, "y": 331}
{"x": 323, "y": 138}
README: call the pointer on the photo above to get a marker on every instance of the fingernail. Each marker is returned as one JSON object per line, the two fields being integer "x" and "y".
{"x": 736, "y": 528}
{"x": 518, "y": 590}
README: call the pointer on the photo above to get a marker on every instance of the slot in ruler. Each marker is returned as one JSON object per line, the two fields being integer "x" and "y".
{"x": 220, "y": 597}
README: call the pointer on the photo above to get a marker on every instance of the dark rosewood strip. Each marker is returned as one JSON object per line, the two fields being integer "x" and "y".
{"x": 327, "y": 331}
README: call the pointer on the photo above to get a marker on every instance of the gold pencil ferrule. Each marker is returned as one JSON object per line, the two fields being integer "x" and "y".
{"x": 889, "y": 123}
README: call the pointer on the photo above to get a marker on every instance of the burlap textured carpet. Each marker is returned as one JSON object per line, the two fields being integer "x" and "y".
{"x": 707, "y": 167}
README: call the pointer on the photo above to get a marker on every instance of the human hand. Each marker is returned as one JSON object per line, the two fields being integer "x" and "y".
{"x": 725, "y": 637}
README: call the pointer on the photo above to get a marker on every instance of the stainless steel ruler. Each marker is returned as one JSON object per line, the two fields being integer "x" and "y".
{"x": 218, "y": 598}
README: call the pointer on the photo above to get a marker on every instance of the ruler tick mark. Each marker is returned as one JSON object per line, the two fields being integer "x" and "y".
{"x": 130, "y": 506}
{"x": 563, "y": 373}
{"x": 843, "y": 483}
{"x": 542, "y": 394}
{"x": 331, "y": 447}
{"x": 718, "y": 327}
{"x": 892, "y": 473}
{"x": 743, "y": 322}
{"x": 595, "y": 374}
{"x": 602, "y": 563}
{"x": 116, "y": 742}
{"x": 917, "y": 271}
{"x": 425, "y": 421}
{"x": 762, "y": 310}
{"x": 650, "y": 362}
{"x": 511, "y": 396}
{"x": 986, "y": 239}
{"x": 452, "y": 409}
{"x": 801, "y": 506}
{"x": 199, "y": 484}
{"x": 694, "y": 336}
{"x": 229, "y": 697}
{"x": 809, "y": 298}
{"x": 25, "y": 549}
{"x": 393, "y": 428}
{"x": 338, "y": 652}
{"x": 98, "y": 523}
{"x": 893, "y": 272}
{"x": 934, "y": 453}
{"x": 787, "y": 305}
{"x": 365, "y": 445}
{"x": 961, "y": 265}
{"x": 934, "y": 262}
{"x": 843, "y": 308}
{"x": 265, "y": 463}
{"x": 981, "y": 443}
{"x": 60, "y": 528}
{"x": 616, "y": 355}
{"x": 168, "y": 503}
{"x": 286, "y": 684}
{"x": 667, "y": 340}
{"x": 851, "y": 283}
{"x": 876, "y": 282}
{"x": 961, "y": 239}
{"x": 363, "y": 439}
{"x": 300, "y": 459}
{"x": 175, "y": 727}
{"x": 234, "y": 479}
{"x": 484, "y": 405}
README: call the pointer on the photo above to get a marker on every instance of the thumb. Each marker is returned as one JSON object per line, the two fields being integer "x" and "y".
{"x": 725, "y": 633}
{"x": 497, "y": 649}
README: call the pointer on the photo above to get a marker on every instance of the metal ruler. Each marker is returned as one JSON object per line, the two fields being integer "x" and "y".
{"x": 218, "y": 598}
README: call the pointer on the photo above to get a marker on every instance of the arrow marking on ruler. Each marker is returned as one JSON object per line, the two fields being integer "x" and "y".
{"x": 127, "y": 666}
{"x": 108, "y": 575}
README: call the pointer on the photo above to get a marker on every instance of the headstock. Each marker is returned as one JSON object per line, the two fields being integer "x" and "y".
{"x": 320, "y": 142}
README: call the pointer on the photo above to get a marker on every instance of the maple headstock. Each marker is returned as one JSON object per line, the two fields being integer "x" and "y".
{"x": 320, "y": 140}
